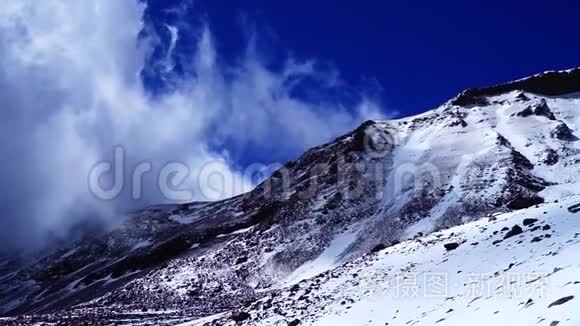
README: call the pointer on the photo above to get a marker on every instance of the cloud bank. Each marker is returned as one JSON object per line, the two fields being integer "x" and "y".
{"x": 72, "y": 94}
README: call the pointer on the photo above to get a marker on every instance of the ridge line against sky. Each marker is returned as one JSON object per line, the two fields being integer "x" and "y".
{"x": 87, "y": 83}
{"x": 418, "y": 53}
{"x": 216, "y": 82}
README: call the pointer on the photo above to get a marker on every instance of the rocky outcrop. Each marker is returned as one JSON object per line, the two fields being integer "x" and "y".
{"x": 551, "y": 83}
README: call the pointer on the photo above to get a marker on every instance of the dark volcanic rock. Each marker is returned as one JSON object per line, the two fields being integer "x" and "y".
{"x": 240, "y": 316}
{"x": 574, "y": 208}
{"x": 551, "y": 157}
{"x": 469, "y": 98}
{"x": 516, "y": 229}
{"x": 525, "y": 112}
{"x": 362, "y": 140}
{"x": 522, "y": 202}
{"x": 379, "y": 247}
{"x": 458, "y": 122}
{"x": 561, "y": 301}
{"x": 543, "y": 109}
{"x": 551, "y": 83}
{"x": 563, "y": 132}
{"x": 451, "y": 246}
{"x": 529, "y": 221}
{"x": 540, "y": 109}
{"x": 522, "y": 97}
{"x": 295, "y": 288}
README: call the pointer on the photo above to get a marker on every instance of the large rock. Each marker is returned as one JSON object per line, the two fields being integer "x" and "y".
{"x": 515, "y": 230}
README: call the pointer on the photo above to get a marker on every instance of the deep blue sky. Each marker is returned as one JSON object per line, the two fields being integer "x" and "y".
{"x": 420, "y": 52}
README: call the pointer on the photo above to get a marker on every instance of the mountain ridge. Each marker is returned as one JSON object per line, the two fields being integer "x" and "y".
{"x": 489, "y": 150}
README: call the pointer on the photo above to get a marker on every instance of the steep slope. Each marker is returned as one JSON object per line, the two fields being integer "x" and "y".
{"x": 488, "y": 150}
{"x": 482, "y": 272}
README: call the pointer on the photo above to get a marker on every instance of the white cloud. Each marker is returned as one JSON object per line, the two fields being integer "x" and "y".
{"x": 70, "y": 92}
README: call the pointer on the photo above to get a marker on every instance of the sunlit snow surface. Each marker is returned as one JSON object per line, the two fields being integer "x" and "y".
{"x": 419, "y": 282}
{"x": 327, "y": 260}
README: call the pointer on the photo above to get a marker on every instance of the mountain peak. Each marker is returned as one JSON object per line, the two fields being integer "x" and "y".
{"x": 549, "y": 83}
{"x": 384, "y": 183}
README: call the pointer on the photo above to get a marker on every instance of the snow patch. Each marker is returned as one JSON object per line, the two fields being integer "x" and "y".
{"x": 326, "y": 261}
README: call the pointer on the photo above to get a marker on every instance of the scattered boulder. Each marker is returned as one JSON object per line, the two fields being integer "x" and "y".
{"x": 295, "y": 322}
{"x": 240, "y": 316}
{"x": 267, "y": 305}
{"x": 451, "y": 246}
{"x": 574, "y": 208}
{"x": 379, "y": 247}
{"x": 516, "y": 229}
{"x": 546, "y": 227}
{"x": 522, "y": 202}
{"x": 561, "y": 301}
{"x": 536, "y": 239}
{"x": 529, "y": 221}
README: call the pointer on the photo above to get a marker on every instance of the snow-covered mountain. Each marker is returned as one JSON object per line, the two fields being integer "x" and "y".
{"x": 326, "y": 239}
{"x": 517, "y": 268}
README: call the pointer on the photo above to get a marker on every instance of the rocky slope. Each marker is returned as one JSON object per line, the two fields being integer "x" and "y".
{"x": 490, "y": 150}
{"x": 518, "y": 267}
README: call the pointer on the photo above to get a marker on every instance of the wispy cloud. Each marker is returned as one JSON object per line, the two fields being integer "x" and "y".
{"x": 71, "y": 91}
